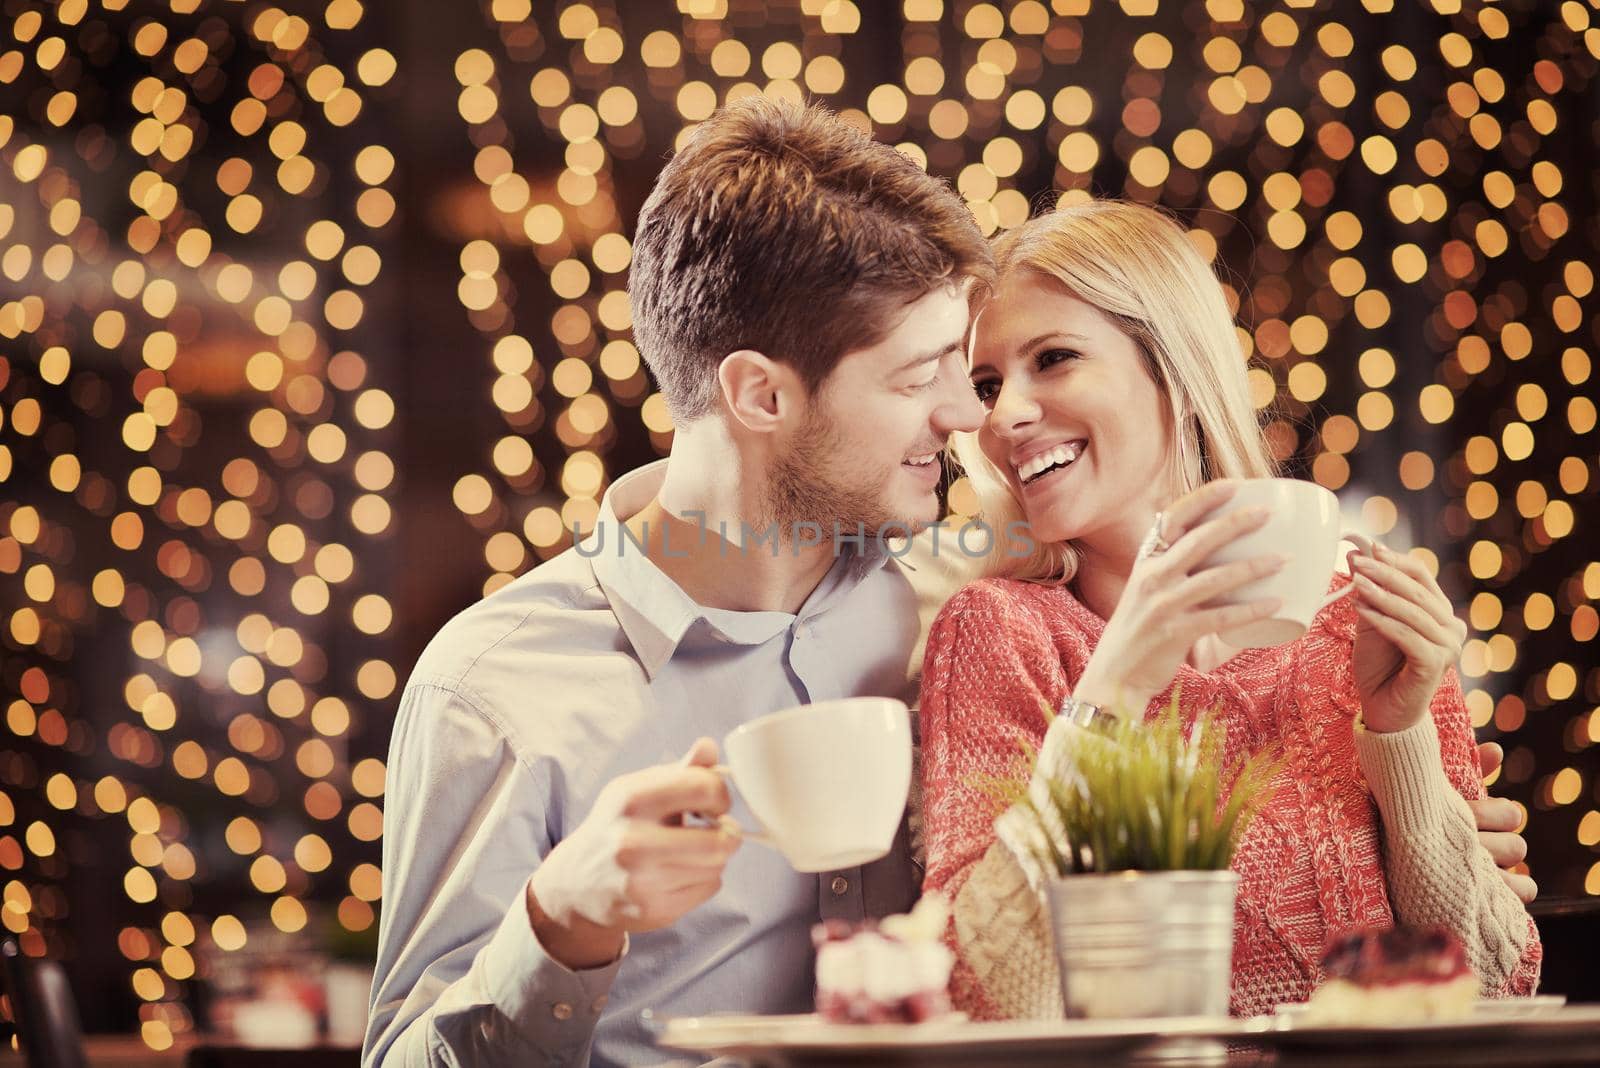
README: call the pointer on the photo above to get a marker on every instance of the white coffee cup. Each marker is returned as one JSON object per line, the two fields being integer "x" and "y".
{"x": 1304, "y": 524}
{"x": 827, "y": 782}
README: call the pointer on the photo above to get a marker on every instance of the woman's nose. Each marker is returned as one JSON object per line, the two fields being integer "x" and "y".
{"x": 1014, "y": 409}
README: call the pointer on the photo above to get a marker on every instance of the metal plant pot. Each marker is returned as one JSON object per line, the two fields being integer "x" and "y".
{"x": 1143, "y": 944}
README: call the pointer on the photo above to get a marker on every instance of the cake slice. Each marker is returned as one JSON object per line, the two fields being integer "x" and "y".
{"x": 894, "y": 970}
{"x": 1396, "y": 976}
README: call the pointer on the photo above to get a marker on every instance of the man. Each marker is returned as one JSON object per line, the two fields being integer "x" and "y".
{"x": 799, "y": 292}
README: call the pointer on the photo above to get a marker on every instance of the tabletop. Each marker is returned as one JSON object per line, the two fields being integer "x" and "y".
{"x": 1436, "y": 1056}
{"x": 129, "y": 1051}
{"x": 1546, "y": 1034}
{"x": 119, "y": 1051}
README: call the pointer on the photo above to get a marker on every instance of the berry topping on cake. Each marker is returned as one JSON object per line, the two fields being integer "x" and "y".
{"x": 894, "y": 970}
{"x": 1398, "y": 955}
{"x": 1396, "y": 976}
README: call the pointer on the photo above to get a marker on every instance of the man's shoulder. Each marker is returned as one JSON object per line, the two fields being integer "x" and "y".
{"x": 541, "y": 665}
{"x": 936, "y": 565}
{"x": 524, "y": 629}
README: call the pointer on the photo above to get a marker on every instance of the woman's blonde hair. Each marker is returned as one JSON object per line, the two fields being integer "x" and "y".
{"x": 1137, "y": 267}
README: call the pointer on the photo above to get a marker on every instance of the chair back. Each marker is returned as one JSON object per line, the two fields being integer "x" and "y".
{"x": 43, "y": 1010}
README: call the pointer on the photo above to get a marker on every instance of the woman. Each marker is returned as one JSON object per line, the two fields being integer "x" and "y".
{"x": 1117, "y": 411}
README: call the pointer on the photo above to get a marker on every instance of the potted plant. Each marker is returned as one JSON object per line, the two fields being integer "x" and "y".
{"x": 1147, "y": 818}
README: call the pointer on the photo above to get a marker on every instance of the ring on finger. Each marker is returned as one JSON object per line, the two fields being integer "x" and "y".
{"x": 1154, "y": 544}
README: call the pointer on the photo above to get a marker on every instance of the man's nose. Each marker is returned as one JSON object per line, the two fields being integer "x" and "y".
{"x": 963, "y": 411}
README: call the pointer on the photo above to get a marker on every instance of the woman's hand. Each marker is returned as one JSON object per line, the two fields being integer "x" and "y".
{"x": 1407, "y": 635}
{"x": 1162, "y": 612}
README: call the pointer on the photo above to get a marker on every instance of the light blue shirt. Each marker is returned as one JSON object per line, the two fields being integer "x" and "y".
{"x": 590, "y": 666}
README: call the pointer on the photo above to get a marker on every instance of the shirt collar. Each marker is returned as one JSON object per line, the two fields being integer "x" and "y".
{"x": 655, "y": 613}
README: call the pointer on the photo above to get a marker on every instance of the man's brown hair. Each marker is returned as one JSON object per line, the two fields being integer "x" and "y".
{"x": 782, "y": 229}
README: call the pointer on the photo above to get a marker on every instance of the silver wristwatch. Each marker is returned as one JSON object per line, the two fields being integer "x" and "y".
{"x": 1086, "y": 714}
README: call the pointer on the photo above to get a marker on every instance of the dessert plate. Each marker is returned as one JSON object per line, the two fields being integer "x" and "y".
{"x": 1491, "y": 1009}
{"x": 1516, "y": 1021}
{"x": 954, "y": 1038}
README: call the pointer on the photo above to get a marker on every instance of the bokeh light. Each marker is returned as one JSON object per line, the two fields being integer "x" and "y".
{"x": 191, "y": 423}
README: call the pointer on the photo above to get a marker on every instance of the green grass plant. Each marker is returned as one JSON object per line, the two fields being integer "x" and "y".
{"x": 1149, "y": 795}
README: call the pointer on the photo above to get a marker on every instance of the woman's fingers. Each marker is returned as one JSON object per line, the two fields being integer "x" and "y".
{"x": 1431, "y": 639}
{"x": 1390, "y": 578}
{"x": 1218, "y": 581}
{"x": 1215, "y": 620}
{"x": 1193, "y": 507}
{"x": 1202, "y": 542}
{"x": 1415, "y": 647}
{"x": 1409, "y": 564}
{"x": 1394, "y": 585}
{"x": 1422, "y": 589}
{"x": 1404, "y": 611}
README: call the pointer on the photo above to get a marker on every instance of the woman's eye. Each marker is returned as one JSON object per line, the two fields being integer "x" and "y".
{"x": 985, "y": 390}
{"x": 1050, "y": 357}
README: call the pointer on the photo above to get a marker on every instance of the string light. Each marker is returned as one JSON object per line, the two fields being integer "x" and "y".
{"x": 195, "y": 450}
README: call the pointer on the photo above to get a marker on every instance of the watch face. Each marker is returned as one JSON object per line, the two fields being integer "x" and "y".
{"x": 1086, "y": 715}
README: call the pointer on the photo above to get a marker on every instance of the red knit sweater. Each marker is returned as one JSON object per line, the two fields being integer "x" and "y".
{"x": 1310, "y": 863}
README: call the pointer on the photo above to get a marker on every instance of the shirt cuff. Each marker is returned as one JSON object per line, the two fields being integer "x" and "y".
{"x": 553, "y": 1006}
{"x": 1406, "y": 775}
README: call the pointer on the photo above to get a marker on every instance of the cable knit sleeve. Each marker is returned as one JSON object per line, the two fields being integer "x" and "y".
{"x": 990, "y": 666}
{"x": 1439, "y": 874}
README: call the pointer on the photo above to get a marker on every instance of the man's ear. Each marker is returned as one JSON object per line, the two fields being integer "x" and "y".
{"x": 760, "y": 393}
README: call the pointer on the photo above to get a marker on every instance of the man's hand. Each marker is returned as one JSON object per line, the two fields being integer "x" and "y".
{"x": 1498, "y": 820}
{"x": 632, "y": 865}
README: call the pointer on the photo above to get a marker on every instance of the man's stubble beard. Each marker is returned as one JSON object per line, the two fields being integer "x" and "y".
{"x": 809, "y": 485}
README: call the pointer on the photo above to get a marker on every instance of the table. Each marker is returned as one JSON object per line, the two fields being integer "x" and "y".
{"x": 129, "y": 1051}
{"x": 117, "y": 1051}
{"x": 1442, "y": 1056}
{"x": 1524, "y": 1035}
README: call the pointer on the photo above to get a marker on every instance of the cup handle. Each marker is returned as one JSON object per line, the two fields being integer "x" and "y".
{"x": 731, "y": 825}
{"x": 1363, "y": 544}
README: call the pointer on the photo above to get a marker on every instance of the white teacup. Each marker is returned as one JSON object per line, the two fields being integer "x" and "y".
{"x": 1304, "y": 524}
{"x": 827, "y": 782}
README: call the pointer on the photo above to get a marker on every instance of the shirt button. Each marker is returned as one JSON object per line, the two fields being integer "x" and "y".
{"x": 600, "y": 1003}
{"x": 561, "y": 1010}
{"x": 839, "y": 885}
